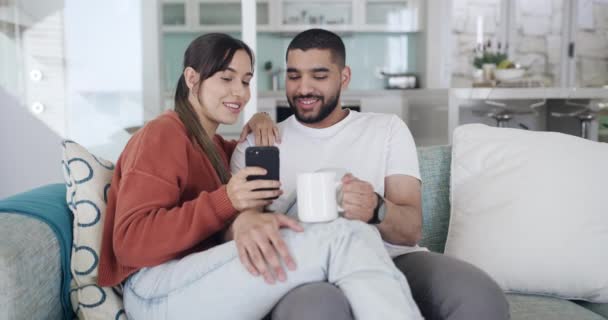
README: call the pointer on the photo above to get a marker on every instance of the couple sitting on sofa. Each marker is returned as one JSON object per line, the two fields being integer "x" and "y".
{"x": 187, "y": 237}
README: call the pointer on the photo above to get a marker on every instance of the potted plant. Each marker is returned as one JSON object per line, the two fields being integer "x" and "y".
{"x": 486, "y": 59}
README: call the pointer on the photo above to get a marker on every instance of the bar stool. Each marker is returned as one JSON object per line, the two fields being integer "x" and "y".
{"x": 504, "y": 110}
{"x": 583, "y": 112}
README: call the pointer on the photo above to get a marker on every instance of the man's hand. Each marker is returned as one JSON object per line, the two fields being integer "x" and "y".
{"x": 359, "y": 199}
{"x": 258, "y": 241}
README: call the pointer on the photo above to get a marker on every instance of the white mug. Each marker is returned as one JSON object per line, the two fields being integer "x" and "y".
{"x": 319, "y": 195}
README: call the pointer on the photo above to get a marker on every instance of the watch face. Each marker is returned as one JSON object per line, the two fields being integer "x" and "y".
{"x": 382, "y": 212}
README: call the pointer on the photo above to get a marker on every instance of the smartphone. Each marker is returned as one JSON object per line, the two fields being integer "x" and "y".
{"x": 267, "y": 158}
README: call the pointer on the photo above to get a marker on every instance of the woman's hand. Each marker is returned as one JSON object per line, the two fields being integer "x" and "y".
{"x": 245, "y": 195}
{"x": 264, "y": 129}
{"x": 258, "y": 241}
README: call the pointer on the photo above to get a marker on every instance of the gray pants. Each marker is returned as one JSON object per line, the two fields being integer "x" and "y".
{"x": 442, "y": 286}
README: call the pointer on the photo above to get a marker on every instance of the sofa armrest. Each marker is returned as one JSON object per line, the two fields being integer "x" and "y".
{"x": 30, "y": 269}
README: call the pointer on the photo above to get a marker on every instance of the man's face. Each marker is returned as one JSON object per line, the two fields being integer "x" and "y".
{"x": 313, "y": 84}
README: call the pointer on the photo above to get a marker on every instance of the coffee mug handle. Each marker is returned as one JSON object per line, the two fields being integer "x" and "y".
{"x": 339, "y": 196}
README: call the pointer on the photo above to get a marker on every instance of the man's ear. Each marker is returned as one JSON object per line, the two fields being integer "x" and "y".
{"x": 192, "y": 77}
{"x": 345, "y": 75}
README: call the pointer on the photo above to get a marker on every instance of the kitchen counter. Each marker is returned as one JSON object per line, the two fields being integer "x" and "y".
{"x": 431, "y": 114}
{"x": 529, "y": 93}
{"x": 398, "y": 102}
{"x": 365, "y": 93}
{"x": 424, "y": 110}
{"x": 383, "y": 101}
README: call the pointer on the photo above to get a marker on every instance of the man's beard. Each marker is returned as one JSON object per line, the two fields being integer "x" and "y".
{"x": 325, "y": 110}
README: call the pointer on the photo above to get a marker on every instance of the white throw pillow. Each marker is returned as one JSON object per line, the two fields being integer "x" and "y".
{"x": 531, "y": 209}
{"x": 88, "y": 179}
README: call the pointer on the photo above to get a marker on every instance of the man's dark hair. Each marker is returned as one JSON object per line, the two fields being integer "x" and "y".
{"x": 320, "y": 39}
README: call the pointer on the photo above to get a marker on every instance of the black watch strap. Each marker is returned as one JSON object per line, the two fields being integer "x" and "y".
{"x": 376, "y": 217}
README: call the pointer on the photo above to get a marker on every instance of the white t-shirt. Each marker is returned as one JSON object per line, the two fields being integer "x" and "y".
{"x": 371, "y": 146}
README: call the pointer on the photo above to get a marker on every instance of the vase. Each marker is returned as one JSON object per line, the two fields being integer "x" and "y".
{"x": 477, "y": 75}
{"x": 488, "y": 71}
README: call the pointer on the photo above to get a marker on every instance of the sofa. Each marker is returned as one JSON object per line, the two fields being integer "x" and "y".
{"x": 30, "y": 261}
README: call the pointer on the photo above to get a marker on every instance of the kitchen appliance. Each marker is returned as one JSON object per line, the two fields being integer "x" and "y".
{"x": 400, "y": 80}
{"x": 273, "y": 76}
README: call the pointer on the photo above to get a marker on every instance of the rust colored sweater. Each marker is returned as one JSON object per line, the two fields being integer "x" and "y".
{"x": 165, "y": 201}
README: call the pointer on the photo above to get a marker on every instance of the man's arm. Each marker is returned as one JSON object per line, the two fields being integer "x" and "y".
{"x": 403, "y": 221}
{"x": 402, "y": 224}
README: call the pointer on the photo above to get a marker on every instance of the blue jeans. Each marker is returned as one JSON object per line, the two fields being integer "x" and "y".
{"x": 214, "y": 284}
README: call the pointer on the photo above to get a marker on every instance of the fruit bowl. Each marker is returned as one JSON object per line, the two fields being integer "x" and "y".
{"x": 509, "y": 74}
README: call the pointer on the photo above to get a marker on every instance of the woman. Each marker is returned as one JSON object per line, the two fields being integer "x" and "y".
{"x": 173, "y": 207}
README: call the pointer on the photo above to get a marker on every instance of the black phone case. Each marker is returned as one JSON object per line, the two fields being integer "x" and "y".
{"x": 265, "y": 157}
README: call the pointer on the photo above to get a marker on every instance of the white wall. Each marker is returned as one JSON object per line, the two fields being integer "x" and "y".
{"x": 151, "y": 59}
{"x": 104, "y": 73}
{"x": 438, "y": 15}
{"x": 31, "y": 152}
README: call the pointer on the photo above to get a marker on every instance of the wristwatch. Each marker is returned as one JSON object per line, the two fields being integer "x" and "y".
{"x": 379, "y": 211}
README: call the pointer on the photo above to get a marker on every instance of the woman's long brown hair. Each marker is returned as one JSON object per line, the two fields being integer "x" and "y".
{"x": 206, "y": 54}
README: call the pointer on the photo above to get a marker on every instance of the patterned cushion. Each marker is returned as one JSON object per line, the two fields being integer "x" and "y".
{"x": 88, "y": 179}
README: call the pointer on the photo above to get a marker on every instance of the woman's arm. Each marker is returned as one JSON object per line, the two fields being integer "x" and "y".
{"x": 263, "y": 128}
{"x": 151, "y": 227}
{"x": 155, "y": 218}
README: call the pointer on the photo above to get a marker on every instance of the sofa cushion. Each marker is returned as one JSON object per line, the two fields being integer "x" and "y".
{"x": 527, "y": 307}
{"x": 599, "y": 308}
{"x": 30, "y": 267}
{"x": 529, "y": 209}
{"x": 88, "y": 179}
{"x": 435, "y": 174}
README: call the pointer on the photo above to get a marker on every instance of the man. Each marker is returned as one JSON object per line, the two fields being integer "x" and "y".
{"x": 382, "y": 188}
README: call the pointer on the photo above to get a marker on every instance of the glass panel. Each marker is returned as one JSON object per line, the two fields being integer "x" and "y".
{"x": 316, "y": 12}
{"x": 592, "y": 45}
{"x": 220, "y": 13}
{"x": 174, "y": 14}
{"x": 538, "y": 39}
{"x": 262, "y": 13}
{"x": 387, "y": 13}
{"x": 473, "y": 22}
{"x": 74, "y": 71}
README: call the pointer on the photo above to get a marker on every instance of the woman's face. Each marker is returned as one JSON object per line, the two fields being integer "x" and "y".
{"x": 225, "y": 94}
